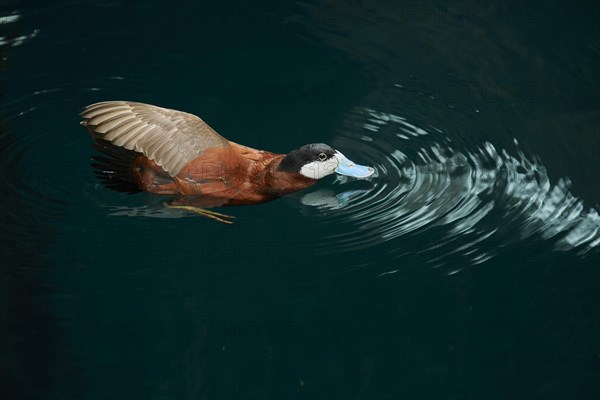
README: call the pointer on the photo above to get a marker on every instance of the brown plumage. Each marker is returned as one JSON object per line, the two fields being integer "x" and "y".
{"x": 175, "y": 153}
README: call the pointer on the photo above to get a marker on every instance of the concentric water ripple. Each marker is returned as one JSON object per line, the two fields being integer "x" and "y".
{"x": 478, "y": 198}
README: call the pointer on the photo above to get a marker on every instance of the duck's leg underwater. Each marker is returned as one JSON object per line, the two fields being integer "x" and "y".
{"x": 223, "y": 218}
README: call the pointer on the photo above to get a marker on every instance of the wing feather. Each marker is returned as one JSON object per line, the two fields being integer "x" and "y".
{"x": 171, "y": 138}
{"x": 122, "y": 130}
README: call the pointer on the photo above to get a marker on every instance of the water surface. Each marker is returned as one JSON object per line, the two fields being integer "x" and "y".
{"x": 464, "y": 269}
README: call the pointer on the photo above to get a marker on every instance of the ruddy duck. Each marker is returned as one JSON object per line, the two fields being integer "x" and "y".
{"x": 169, "y": 152}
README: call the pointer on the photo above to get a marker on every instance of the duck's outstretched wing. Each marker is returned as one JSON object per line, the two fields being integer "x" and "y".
{"x": 168, "y": 137}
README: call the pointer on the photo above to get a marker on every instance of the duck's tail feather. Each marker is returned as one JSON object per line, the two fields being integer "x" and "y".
{"x": 114, "y": 167}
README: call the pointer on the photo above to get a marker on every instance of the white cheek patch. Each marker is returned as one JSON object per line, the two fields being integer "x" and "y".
{"x": 319, "y": 169}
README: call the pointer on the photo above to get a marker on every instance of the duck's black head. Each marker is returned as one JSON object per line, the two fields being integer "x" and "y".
{"x": 318, "y": 160}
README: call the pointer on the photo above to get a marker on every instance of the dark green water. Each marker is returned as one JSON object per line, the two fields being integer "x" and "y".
{"x": 465, "y": 269}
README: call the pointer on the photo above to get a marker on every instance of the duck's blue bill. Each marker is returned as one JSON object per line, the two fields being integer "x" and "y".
{"x": 349, "y": 168}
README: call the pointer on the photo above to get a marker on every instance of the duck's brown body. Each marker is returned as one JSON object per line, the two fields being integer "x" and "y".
{"x": 233, "y": 175}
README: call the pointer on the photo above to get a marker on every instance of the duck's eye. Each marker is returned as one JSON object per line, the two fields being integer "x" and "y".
{"x": 322, "y": 156}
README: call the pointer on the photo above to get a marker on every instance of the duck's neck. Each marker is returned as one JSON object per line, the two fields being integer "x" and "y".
{"x": 282, "y": 182}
